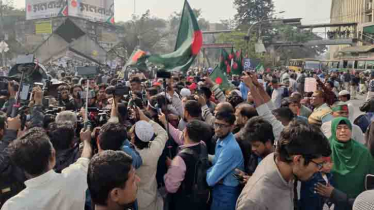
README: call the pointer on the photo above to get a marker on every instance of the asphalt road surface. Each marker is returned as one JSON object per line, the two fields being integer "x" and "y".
{"x": 357, "y": 103}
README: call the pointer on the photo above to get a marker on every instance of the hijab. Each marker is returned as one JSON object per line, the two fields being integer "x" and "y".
{"x": 346, "y": 155}
{"x": 352, "y": 162}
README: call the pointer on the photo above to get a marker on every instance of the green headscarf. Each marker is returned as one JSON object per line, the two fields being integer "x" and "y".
{"x": 346, "y": 155}
{"x": 352, "y": 161}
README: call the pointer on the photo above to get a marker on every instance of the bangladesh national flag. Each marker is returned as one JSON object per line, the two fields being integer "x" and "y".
{"x": 220, "y": 78}
{"x": 260, "y": 69}
{"x": 224, "y": 60}
{"x": 137, "y": 59}
{"x": 187, "y": 47}
{"x": 237, "y": 66}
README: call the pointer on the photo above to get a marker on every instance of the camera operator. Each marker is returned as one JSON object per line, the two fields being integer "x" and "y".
{"x": 11, "y": 177}
{"x": 13, "y": 87}
{"x": 149, "y": 139}
{"x": 34, "y": 153}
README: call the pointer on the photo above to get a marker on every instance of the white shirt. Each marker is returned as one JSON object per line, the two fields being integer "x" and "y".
{"x": 276, "y": 97}
{"x": 357, "y": 134}
{"x": 351, "y": 111}
{"x": 65, "y": 191}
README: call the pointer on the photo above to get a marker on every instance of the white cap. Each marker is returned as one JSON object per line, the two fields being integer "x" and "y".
{"x": 344, "y": 93}
{"x": 185, "y": 92}
{"x": 144, "y": 131}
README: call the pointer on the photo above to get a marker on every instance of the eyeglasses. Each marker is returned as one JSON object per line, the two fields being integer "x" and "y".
{"x": 319, "y": 165}
{"x": 218, "y": 125}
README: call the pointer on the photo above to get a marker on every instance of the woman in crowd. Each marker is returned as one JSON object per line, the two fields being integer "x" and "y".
{"x": 352, "y": 162}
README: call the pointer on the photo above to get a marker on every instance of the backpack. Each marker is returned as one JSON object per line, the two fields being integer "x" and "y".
{"x": 286, "y": 93}
{"x": 200, "y": 189}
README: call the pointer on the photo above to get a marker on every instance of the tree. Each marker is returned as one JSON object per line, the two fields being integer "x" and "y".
{"x": 250, "y": 12}
{"x": 144, "y": 31}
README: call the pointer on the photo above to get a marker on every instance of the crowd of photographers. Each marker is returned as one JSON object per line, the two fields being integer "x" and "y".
{"x": 180, "y": 142}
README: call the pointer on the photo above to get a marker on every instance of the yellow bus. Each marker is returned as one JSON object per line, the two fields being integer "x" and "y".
{"x": 306, "y": 64}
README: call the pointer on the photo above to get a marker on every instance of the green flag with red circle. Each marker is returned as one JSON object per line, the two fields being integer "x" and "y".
{"x": 219, "y": 77}
{"x": 187, "y": 47}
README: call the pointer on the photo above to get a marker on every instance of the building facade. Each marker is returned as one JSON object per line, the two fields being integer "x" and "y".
{"x": 353, "y": 11}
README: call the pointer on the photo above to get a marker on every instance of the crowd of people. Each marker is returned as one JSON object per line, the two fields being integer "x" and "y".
{"x": 184, "y": 143}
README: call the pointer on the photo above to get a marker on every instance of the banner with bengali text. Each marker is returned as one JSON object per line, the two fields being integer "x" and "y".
{"x": 93, "y": 10}
{"x": 40, "y": 9}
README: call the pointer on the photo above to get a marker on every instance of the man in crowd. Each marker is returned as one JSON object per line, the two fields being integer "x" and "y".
{"x": 46, "y": 189}
{"x": 243, "y": 113}
{"x": 303, "y": 110}
{"x": 113, "y": 136}
{"x": 299, "y": 155}
{"x": 259, "y": 133}
{"x": 180, "y": 179}
{"x": 228, "y": 157}
{"x": 278, "y": 94}
{"x": 345, "y": 96}
{"x": 112, "y": 181}
{"x": 321, "y": 112}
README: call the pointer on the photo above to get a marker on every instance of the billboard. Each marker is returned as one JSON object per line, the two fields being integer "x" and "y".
{"x": 39, "y": 9}
{"x": 93, "y": 10}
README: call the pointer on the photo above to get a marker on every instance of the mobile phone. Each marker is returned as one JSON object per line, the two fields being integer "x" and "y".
{"x": 238, "y": 177}
{"x": 369, "y": 182}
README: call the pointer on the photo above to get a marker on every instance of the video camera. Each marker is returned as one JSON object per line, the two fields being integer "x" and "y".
{"x": 119, "y": 90}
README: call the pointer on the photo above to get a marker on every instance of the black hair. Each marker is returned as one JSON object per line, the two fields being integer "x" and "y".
{"x": 207, "y": 92}
{"x": 32, "y": 152}
{"x": 235, "y": 100}
{"x": 106, "y": 171}
{"x": 112, "y": 136}
{"x": 135, "y": 79}
{"x": 75, "y": 86}
{"x": 299, "y": 138}
{"x": 61, "y": 135}
{"x": 152, "y": 91}
{"x": 226, "y": 116}
{"x": 193, "y": 108}
{"x": 348, "y": 96}
{"x": 195, "y": 129}
{"x": 258, "y": 129}
{"x": 331, "y": 83}
{"x": 284, "y": 113}
{"x": 103, "y": 85}
{"x": 139, "y": 143}
{"x": 247, "y": 110}
{"x": 3, "y": 120}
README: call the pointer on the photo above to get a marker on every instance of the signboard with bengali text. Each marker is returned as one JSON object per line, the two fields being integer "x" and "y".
{"x": 93, "y": 10}
{"x": 40, "y": 9}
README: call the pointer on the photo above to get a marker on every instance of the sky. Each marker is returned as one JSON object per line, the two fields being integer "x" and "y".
{"x": 312, "y": 11}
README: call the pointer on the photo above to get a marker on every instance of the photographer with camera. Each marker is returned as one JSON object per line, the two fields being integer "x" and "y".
{"x": 34, "y": 153}
{"x": 77, "y": 101}
{"x": 13, "y": 87}
{"x": 11, "y": 176}
{"x": 64, "y": 99}
{"x": 149, "y": 139}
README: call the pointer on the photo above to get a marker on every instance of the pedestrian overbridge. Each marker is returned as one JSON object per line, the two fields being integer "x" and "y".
{"x": 330, "y": 34}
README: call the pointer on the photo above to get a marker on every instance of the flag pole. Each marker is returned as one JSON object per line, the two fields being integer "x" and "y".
{"x": 180, "y": 23}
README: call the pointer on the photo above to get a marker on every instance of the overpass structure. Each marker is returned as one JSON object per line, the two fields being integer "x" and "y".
{"x": 334, "y": 34}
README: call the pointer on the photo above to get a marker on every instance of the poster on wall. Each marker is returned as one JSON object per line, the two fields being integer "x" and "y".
{"x": 40, "y": 9}
{"x": 93, "y": 10}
